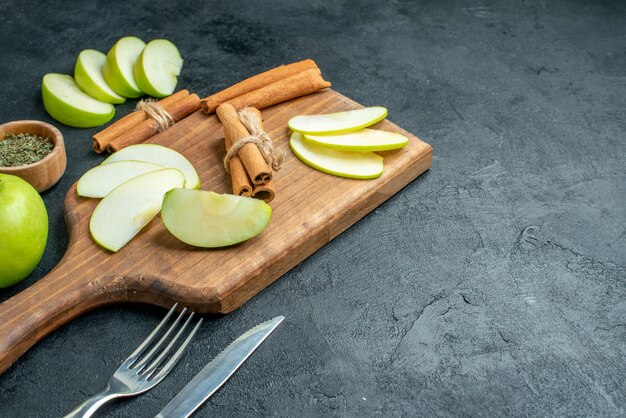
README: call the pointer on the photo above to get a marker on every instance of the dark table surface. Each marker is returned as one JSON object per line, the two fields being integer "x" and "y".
{"x": 494, "y": 284}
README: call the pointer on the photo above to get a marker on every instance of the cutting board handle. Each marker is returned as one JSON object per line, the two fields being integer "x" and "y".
{"x": 51, "y": 302}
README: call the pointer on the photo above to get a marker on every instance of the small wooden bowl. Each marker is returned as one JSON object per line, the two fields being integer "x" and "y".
{"x": 44, "y": 173}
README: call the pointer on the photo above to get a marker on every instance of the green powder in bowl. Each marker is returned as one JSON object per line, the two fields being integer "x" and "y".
{"x": 23, "y": 149}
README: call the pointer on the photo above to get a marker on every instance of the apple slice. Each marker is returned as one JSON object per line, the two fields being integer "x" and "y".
{"x": 356, "y": 165}
{"x": 129, "y": 207}
{"x": 159, "y": 155}
{"x": 68, "y": 104}
{"x": 88, "y": 76}
{"x": 363, "y": 140}
{"x": 337, "y": 123}
{"x": 158, "y": 67}
{"x": 118, "y": 67}
{"x": 101, "y": 180}
{"x": 209, "y": 220}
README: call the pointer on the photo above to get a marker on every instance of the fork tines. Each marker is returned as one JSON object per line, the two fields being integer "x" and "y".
{"x": 152, "y": 360}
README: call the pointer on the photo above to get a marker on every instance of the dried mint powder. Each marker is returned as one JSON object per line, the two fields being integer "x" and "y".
{"x": 23, "y": 149}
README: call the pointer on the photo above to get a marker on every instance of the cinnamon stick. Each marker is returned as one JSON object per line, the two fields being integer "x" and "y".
{"x": 148, "y": 128}
{"x": 257, "y": 168}
{"x": 264, "y": 191}
{"x": 239, "y": 178}
{"x": 210, "y": 104}
{"x": 301, "y": 84}
{"x": 103, "y": 138}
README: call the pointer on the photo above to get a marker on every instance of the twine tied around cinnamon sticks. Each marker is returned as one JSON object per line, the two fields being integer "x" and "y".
{"x": 156, "y": 112}
{"x": 258, "y": 137}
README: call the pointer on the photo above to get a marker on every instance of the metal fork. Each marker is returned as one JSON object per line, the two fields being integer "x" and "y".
{"x": 142, "y": 371}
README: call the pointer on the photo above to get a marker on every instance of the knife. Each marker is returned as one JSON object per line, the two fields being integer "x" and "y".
{"x": 218, "y": 371}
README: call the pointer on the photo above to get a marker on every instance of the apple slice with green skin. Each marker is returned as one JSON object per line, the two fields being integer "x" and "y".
{"x": 158, "y": 67}
{"x": 210, "y": 220}
{"x": 131, "y": 206}
{"x": 88, "y": 76}
{"x": 337, "y": 123}
{"x": 362, "y": 140}
{"x": 101, "y": 180}
{"x": 159, "y": 155}
{"x": 118, "y": 67}
{"x": 355, "y": 165}
{"x": 68, "y": 104}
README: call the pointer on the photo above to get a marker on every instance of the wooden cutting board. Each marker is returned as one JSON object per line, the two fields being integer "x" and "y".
{"x": 309, "y": 210}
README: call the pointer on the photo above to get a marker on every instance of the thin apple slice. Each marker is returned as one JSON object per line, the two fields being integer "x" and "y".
{"x": 159, "y": 155}
{"x": 101, "y": 180}
{"x": 363, "y": 140}
{"x": 88, "y": 76}
{"x": 131, "y": 206}
{"x": 337, "y": 123}
{"x": 68, "y": 104}
{"x": 118, "y": 67}
{"x": 158, "y": 67}
{"x": 356, "y": 165}
{"x": 209, "y": 220}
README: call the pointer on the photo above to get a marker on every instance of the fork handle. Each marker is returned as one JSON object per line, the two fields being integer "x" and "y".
{"x": 91, "y": 405}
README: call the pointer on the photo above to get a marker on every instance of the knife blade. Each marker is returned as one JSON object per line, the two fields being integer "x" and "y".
{"x": 218, "y": 371}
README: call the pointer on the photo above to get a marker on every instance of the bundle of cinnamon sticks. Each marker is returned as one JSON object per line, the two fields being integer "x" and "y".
{"x": 251, "y": 175}
{"x": 137, "y": 127}
{"x": 274, "y": 86}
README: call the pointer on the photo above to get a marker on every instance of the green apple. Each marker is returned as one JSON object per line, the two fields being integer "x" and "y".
{"x": 337, "y": 123}
{"x": 68, "y": 104}
{"x": 209, "y": 220}
{"x": 356, "y": 165}
{"x": 159, "y": 155}
{"x": 102, "y": 179}
{"x": 131, "y": 206}
{"x": 23, "y": 229}
{"x": 158, "y": 67}
{"x": 118, "y": 67}
{"x": 88, "y": 76}
{"x": 362, "y": 140}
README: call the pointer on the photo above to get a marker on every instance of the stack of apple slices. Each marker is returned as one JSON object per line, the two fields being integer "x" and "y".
{"x": 140, "y": 180}
{"x": 341, "y": 144}
{"x": 130, "y": 69}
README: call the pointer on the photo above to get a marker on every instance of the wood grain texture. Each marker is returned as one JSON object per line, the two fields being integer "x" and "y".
{"x": 310, "y": 209}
